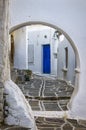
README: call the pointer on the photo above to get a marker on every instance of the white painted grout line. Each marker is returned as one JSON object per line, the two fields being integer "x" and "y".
{"x": 55, "y": 114}
{"x": 59, "y": 114}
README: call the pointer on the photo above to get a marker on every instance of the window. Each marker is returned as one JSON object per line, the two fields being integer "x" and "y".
{"x": 55, "y": 55}
{"x": 12, "y": 49}
{"x": 66, "y": 57}
{"x": 30, "y": 53}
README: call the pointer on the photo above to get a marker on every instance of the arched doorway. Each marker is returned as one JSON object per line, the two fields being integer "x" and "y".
{"x": 77, "y": 61}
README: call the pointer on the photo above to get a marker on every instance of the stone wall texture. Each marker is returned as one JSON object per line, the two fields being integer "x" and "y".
{"x": 3, "y": 51}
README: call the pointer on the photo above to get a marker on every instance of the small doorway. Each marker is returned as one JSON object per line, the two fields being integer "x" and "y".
{"x": 46, "y": 59}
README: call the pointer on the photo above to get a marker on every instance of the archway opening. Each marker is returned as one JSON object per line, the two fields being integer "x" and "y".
{"x": 65, "y": 63}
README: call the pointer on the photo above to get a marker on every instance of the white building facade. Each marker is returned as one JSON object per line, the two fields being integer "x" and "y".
{"x": 35, "y": 49}
{"x": 20, "y": 49}
{"x": 41, "y": 50}
{"x": 66, "y": 62}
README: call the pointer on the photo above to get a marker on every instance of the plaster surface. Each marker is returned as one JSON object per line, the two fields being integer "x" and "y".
{"x": 17, "y": 110}
{"x": 68, "y": 15}
{"x": 20, "y": 45}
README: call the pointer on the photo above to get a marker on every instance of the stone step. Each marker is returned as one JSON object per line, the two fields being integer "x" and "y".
{"x": 44, "y": 123}
{"x": 16, "y": 128}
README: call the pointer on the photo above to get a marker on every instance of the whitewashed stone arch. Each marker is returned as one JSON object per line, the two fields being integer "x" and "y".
{"x": 77, "y": 69}
{"x": 70, "y": 16}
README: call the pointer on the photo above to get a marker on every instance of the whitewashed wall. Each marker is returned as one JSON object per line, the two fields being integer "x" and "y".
{"x": 63, "y": 72}
{"x": 20, "y": 52}
{"x": 70, "y": 16}
{"x": 36, "y": 38}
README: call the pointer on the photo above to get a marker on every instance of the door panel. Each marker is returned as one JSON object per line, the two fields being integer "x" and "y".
{"x": 46, "y": 59}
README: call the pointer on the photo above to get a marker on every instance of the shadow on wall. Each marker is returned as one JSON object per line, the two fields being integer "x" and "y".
{"x": 66, "y": 62}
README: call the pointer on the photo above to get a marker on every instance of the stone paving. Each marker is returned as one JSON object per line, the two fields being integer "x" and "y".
{"x": 47, "y": 94}
{"x": 45, "y": 123}
{"x": 58, "y": 124}
{"x": 50, "y": 94}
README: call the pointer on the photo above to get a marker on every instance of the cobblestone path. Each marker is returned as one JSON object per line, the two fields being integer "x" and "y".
{"x": 47, "y": 94}
{"x": 59, "y": 124}
{"x": 53, "y": 124}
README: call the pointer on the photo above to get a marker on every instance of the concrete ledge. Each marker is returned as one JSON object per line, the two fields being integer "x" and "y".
{"x": 64, "y": 69}
{"x": 77, "y": 70}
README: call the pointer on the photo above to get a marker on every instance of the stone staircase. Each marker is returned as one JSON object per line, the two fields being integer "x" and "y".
{"x": 59, "y": 124}
{"x": 44, "y": 123}
{"x": 38, "y": 92}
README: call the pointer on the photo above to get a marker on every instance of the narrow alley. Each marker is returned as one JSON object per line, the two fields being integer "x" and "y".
{"x": 47, "y": 93}
{"x": 42, "y": 65}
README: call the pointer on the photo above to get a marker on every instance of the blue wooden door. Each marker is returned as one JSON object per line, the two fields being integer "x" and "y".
{"x": 46, "y": 59}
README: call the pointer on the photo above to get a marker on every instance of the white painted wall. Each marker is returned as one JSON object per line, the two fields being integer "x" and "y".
{"x": 69, "y": 75}
{"x": 20, "y": 52}
{"x": 70, "y": 16}
{"x": 36, "y": 37}
{"x": 19, "y": 111}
